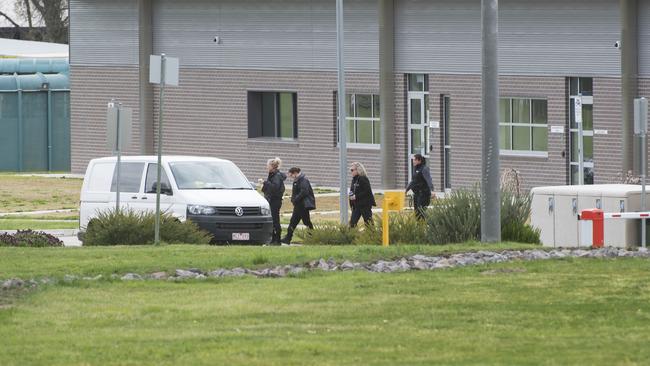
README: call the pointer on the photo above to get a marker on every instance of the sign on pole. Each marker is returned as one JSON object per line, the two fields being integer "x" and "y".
{"x": 118, "y": 127}
{"x": 641, "y": 130}
{"x": 577, "y": 106}
{"x": 163, "y": 70}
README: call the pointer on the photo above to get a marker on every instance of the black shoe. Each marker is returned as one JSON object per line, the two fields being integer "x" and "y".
{"x": 285, "y": 240}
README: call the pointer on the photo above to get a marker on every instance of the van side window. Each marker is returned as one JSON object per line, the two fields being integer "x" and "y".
{"x": 152, "y": 175}
{"x": 130, "y": 177}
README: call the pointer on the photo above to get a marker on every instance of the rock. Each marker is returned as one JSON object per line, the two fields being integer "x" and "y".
{"x": 13, "y": 283}
{"x": 419, "y": 265}
{"x": 96, "y": 278}
{"x": 69, "y": 278}
{"x": 420, "y": 257}
{"x": 185, "y": 274}
{"x": 347, "y": 266}
{"x": 159, "y": 276}
{"x": 218, "y": 273}
{"x": 131, "y": 277}
{"x": 296, "y": 270}
{"x": 200, "y": 276}
{"x": 238, "y": 272}
{"x": 323, "y": 265}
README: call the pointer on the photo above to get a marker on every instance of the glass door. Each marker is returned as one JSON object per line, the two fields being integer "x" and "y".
{"x": 581, "y": 88}
{"x": 418, "y": 117}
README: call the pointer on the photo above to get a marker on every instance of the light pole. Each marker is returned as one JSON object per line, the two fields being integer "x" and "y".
{"x": 343, "y": 138}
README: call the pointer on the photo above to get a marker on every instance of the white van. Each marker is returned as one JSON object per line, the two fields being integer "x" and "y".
{"x": 211, "y": 192}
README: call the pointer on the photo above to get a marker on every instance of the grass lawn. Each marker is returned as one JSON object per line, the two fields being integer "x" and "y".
{"x": 569, "y": 312}
{"x": 17, "y": 224}
{"x": 57, "y": 262}
{"x": 31, "y": 193}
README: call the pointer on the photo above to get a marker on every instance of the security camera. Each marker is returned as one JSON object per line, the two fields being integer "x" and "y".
{"x": 617, "y": 45}
{"x": 217, "y": 39}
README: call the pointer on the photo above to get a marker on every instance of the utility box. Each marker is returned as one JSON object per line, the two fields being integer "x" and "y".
{"x": 555, "y": 211}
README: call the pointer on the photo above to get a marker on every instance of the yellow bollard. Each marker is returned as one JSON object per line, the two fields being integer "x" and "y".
{"x": 393, "y": 201}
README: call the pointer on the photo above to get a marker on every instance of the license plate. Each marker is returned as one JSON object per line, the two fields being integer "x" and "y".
{"x": 241, "y": 236}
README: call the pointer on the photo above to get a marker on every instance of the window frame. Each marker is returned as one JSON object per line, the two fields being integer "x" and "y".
{"x": 530, "y": 126}
{"x": 375, "y": 120}
{"x": 256, "y": 114}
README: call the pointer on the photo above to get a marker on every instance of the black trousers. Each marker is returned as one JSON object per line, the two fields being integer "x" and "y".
{"x": 421, "y": 201}
{"x": 275, "y": 214}
{"x": 299, "y": 213}
{"x": 358, "y": 212}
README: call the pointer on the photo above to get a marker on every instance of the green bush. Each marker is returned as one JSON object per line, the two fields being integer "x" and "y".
{"x": 457, "y": 218}
{"x": 127, "y": 227}
{"x": 405, "y": 228}
{"x": 454, "y": 219}
{"x": 30, "y": 239}
{"x": 328, "y": 233}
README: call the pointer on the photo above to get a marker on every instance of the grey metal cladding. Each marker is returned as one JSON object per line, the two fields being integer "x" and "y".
{"x": 265, "y": 34}
{"x": 553, "y": 37}
{"x": 103, "y": 32}
{"x": 644, "y": 38}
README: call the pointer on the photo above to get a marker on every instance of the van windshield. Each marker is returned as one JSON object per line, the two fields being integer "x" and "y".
{"x": 208, "y": 175}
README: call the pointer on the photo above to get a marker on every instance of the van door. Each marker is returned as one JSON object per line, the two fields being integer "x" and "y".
{"x": 131, "y": 176}
{"x": 146, "y": 199}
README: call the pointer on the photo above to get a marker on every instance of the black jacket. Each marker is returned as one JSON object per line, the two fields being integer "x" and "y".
{"x": 362, "y": 191}
{"x": 421, "y": 181}
{"x": 273, "y": 187}
{"x": 302, "y": 194}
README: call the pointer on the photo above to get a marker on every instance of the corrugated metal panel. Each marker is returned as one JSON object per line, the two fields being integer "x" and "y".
{"x": 644, "y": 38}
{"x": 103, "y": 32}
{"x": 265, "y": 34}
{"x": 536, "y": 37}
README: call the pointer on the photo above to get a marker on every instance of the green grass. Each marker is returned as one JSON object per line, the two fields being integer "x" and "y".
{"x": 37, "y": 262}
{"x": 21, "y": 224}
{"x": 570, "y": 312}
{"x": 30, "y": 193}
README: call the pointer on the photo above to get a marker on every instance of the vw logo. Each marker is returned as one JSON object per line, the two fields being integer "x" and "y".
{"x": 239, "y": 211}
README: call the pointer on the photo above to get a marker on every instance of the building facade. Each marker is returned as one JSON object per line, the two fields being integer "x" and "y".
{"x": 258, "y": 80}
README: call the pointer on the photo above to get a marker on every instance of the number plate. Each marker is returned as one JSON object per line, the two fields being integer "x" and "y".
{"x": 241, "y": 236}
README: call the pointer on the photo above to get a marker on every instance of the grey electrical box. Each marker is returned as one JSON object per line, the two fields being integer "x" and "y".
{"x": 640, "y": 116}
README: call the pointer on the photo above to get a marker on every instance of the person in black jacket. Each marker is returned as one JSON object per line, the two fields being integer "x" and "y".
{"x": 421, "y": 185}
{"x": 361, "y": 197}
{"x": 302, "y": 197}
{"x": 273, "y": 189}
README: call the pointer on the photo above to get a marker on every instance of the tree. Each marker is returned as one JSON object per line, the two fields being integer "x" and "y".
{"x": 53, "y": 14}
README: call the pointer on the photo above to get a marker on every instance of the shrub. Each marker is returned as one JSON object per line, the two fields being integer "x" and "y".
{"x": 515, "y": 211}
{"x": 455, "y": 219}
{"x": 405, "y": 228}
{"x": 127, "y": 227}
{"x": 328, "y": 233}
{"x": 29, "y": 238}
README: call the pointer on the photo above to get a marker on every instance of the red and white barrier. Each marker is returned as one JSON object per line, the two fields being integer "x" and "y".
{"x": 596, "y": 219}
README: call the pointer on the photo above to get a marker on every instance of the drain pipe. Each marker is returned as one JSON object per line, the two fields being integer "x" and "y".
{"x": 629, "y": 83}
{"x": 387, "y": 93}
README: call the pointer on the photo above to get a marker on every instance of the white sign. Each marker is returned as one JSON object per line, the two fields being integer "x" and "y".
{"x": 434, "y": 124}
{"x": 125, "y": 116}
{"x": 171, "y": 70}
{"x": 600, "y": 132}
{"x": 557, "y": 129}
{"x": 577, "y": 104}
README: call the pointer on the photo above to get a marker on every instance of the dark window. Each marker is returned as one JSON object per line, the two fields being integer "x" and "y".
{"x": 130, "y": 177}
{"x": 272, "y": 114}
{"x": 152, "y": 175}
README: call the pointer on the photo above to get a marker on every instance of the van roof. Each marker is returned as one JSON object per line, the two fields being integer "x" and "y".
{"x": 154, "y": 158}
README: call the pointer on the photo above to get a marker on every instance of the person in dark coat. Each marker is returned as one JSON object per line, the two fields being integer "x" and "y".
{"x": 273, "y": 189}
{"x": 361, "y": 197}
{"x": 421, "y": 185}
{"x": 302, "y": 197}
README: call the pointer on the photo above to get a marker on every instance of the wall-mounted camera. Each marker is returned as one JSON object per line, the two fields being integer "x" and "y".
{"x": 617, "y": 45}
{"x": 216, "y": 40}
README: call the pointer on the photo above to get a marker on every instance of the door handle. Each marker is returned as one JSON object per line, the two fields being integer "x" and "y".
{"x": 144, "y": 197}
{"x": 134, "y": 197}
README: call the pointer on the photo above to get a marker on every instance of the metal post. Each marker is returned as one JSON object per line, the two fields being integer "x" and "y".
{"x": 160, "y": 128}
{"x": 119, "y": 157}
{"x": 343, "y": 138}
{"x": 629, "y": 13}
{"x": 644, "y": 168}
{"x": 387, "y": 93}
{"x": 490, "y": 190}
{"x": 49, "y": 130}
{"x": 20, "y": 123}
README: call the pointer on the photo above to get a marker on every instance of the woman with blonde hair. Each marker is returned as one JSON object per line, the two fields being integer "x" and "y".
{"x": 361, "y": 197}
{"x": 273, "y": 189}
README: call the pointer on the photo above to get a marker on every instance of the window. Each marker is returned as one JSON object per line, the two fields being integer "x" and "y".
{"x": 362, "y": 116}
{"x": 152, "y": 177}
{"x": 208, "y": 175}
{"x": 272, "y": 114}
{"x": 523, "y": 124}
{"x": 130, "y": 177}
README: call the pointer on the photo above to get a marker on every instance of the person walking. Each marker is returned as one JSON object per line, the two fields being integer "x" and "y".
{"x": 273, "y": 189}
{"x": 361, "y": 197}
{"x": 421, "y": 185}
{"x": 302, "y": 197}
